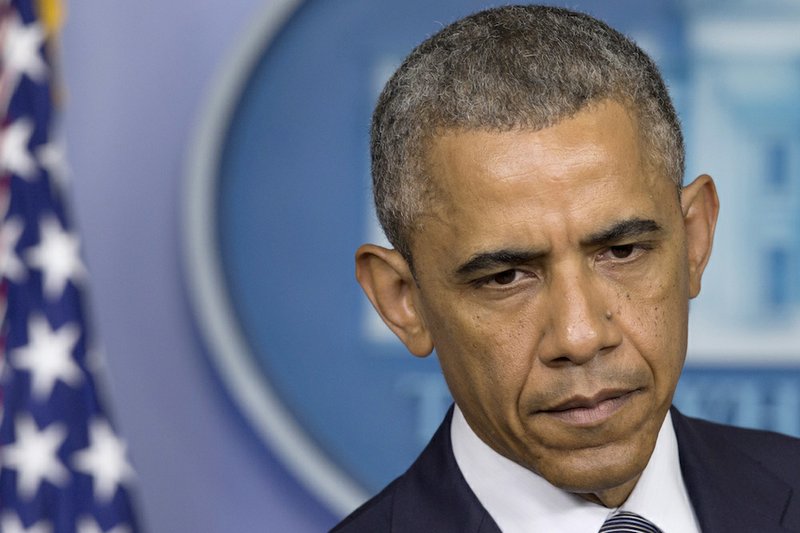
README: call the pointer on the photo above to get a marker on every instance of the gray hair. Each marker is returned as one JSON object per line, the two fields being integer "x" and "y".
{"x": 502, "y": 69}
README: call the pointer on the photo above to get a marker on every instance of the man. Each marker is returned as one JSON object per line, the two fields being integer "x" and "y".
{"x": 528, "y": 167}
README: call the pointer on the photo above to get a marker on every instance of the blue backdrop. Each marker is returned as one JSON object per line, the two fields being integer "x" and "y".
{"x": 289, "y": 183}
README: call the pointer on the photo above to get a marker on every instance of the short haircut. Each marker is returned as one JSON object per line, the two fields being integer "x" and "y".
{"x": 513, "y": 67}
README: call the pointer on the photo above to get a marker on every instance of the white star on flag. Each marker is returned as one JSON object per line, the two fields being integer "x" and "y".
{"x": 58, "y": 257}
{"x": 10, "y": 523}
{"x": 95, "y": 361}
{"x": 14, "y": 154}
{"x": 11, "y": 266}
{"x": 48, "y": 356}
{"x": 89, "y": 525}
{"x": 21, "y": 49}
{"x": 105, "y": 460}
{"x": 53, "y": 158}
{"x": 34, "y": 455}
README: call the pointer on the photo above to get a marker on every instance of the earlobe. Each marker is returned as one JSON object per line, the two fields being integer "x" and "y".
{"x": 700, "y": 207}
{"x": 387, "y": 280}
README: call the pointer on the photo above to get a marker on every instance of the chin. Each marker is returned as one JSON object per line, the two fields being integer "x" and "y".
{"x": 596, "y": 470}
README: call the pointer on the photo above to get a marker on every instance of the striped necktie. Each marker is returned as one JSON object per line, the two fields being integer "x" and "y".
{"x": 627, "y": 522}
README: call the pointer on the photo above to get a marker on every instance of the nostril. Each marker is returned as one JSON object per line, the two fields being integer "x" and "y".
{"x": 563, "y": 360}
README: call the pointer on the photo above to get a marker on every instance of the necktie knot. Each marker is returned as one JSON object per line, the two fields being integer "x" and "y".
{"x": 627, "y": 522}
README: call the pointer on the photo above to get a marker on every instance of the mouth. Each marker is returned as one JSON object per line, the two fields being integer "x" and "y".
{"x": 590, "y": 410}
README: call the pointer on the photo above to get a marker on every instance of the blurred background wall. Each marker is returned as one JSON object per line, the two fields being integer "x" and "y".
{"x": 139, "y": 76}
{"x": 136, "y": 76}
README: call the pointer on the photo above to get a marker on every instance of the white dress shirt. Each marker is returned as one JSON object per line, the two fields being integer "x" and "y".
{"x": 521, "y": 501}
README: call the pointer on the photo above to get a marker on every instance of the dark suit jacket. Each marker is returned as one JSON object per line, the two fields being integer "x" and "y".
{"x": 738, "y": 480}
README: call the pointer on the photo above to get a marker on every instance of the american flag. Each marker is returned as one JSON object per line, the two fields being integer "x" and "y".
{"x": 64, "y": 469}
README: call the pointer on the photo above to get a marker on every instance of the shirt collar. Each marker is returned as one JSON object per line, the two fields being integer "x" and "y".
{"x": 521, "y": 501}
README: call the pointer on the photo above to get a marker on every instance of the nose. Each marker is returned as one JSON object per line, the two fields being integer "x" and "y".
{"x": 581, "y": 324}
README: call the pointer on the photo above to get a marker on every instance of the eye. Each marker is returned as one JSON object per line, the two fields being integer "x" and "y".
{"x": 505, "y": 278}
{"x": 621, "y": 252}
{"x": 625, "y": 253}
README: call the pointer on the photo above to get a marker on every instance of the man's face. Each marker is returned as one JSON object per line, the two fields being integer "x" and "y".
{"x": 554, "y": 274}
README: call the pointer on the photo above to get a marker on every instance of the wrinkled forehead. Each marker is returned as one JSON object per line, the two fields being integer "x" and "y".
{"x": 607, "y": 131}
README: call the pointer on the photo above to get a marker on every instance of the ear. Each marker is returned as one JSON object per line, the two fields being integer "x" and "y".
{"x": 700, "y": 207}
{"x": 389, "y": 284}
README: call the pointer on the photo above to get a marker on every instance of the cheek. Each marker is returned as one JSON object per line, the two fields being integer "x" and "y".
{"x": 655, "y": 314}
{"x": 482, "y": 353}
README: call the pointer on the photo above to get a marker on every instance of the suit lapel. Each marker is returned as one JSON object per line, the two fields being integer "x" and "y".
{"x": 434, "y": 496}
{"x": 729, "y": 490}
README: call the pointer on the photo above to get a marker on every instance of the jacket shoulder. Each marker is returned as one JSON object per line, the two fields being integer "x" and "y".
{"x": 432, "y": 495}
{"x": 373, "y": 515}
{"x": 778, "y": 453}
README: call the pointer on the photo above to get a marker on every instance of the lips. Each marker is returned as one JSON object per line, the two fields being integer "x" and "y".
{"x": 590, "y": 410}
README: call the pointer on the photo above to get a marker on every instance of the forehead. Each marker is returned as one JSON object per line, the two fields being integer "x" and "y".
{"x": 605, "y": 129}
{"x": 578, "y": 173}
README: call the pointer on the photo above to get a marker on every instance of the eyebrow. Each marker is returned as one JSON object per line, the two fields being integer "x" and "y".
{"x": 488, "y": 260}
{"x": 622, "y": 230}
